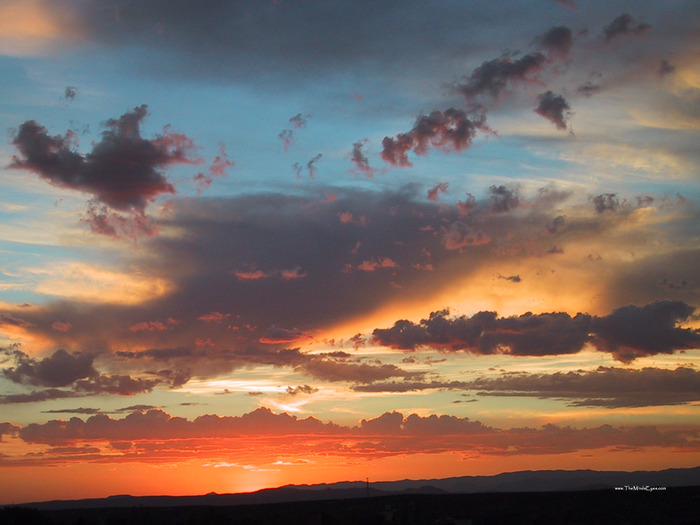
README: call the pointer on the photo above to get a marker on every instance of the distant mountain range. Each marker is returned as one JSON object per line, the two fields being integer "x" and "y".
{"x": 525, "y": 481}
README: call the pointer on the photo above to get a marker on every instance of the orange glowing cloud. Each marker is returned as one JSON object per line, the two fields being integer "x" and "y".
{"x": 32, "y": 27}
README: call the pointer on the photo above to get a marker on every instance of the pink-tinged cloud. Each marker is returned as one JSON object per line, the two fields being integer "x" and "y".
{"x": 449, "y": 131}
{"x": 466, "y": 206}
{"x": 279, "y": 335}
{"x": 459, "y": 235}
{"x": 132, "y": 225}
{"x": 371, "y": 265}
{"x": 214, "y": 317}
{"x": 153, "y": 326}
{"x": 123, "y": 170}
{"x": 433, "y": 193}
{"x": 62, "y": 327}
{"x": 292, "y": 274}
{"x": 347, "y": 218}
{"x": 250, "y": 275}
{"x": 359, "y": 159}
{"x": 627, "y": 333}
{"x": 287, "y": 137}
{"x": 311, "y": 165}
{"x": 217, "y": 169}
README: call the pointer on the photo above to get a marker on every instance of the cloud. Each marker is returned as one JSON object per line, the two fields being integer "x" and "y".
{"x": 122, "y": 171}
{"x": 301, "y": 255}
{"x": 338, "y": 370}
{"x": 451, "y": 130}
{"x": 70, "y": 92}
{"x": 624, "y": 25}
{"x": 503, "y": 199}
{"x": 79, "y": 410}
{"x": 433, "y": 193}
{"x": 57, "y": 370}
{"x": 588, "y": 89}
{"x": 301, "y": 389}
{"x": 554, "y": 108}
{"x": 607, "y": 202}
{"x": 494, "y": 76}
{"x": 606, "y": 386}
{"x": 557, "y": 41}
{"x": 38, "y": 396}
{"x": 8, "y": 429}
{"x": 157, "y": 436}
{"x": 62, "y": 369}
{"x": 666, "y": 68}
{"x": 278, "y": 335}
{"x": 627, "y": 333}
{"x": 217, "y": 169}
{"x": 298, "y": 121}
{"x": 359, "y": 159}
{"x": 635, "y": 331}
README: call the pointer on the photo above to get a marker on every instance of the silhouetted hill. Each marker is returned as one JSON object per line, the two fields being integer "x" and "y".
{"x": 674, "y": 506}
{"x": 525, "y": 481}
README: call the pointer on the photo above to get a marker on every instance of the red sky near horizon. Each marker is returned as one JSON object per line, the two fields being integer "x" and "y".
{"x": 250, "y": 244}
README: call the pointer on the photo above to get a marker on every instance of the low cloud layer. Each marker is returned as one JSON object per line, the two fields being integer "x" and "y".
{"x": 150, "y": 433}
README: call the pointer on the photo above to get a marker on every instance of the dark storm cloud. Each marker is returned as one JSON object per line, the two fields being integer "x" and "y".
{"x": 606, "y": 386}
{"x": 557, "y": 41}
{"x": 624, "y": 25}
{"x": 503, "y": 199}
{"x": 635, "y": 331}
{"x": 70, "y": 92}
{"x": 122, "y": 170}
{"x": 224, "y": 39}
{"x": 554, "y": 108}
{"x": 494, "y": 76}
{"x": 451, "y": 130}
{"x": 60, "y": 369}
{"x": 627, "y": 333}
{"x": 252, "y": 263}
{"x": 606, "y": 202}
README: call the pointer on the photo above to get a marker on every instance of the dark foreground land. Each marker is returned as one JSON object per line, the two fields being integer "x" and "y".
{"x": 674, "y": 506}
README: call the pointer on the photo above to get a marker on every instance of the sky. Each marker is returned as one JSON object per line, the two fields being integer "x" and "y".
{"x": 252, "y": 243}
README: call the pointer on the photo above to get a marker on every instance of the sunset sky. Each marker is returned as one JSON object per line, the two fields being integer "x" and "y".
{"x": 251, "y": 243}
